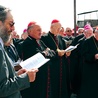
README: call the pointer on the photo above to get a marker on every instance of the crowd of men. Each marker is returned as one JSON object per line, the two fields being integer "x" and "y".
{"x": 71, "y": 74}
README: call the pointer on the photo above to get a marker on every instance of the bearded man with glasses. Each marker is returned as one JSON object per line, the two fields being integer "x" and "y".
{"x": 11, "y": 82}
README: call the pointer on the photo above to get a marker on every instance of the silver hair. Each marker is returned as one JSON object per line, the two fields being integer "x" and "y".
{"x": 80, "y": 29}
{"x": 3, "y": 30}
{"x": 3, "y": 14}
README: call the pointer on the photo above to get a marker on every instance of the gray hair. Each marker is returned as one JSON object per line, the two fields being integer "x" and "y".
{"x": 80, "y": 29}
{"x": 3, "y": 13}
{"x": 3, "y": 31}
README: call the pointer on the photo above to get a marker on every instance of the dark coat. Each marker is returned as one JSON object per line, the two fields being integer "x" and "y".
{"x": 39, "y": 88}
{"x": 76, "y": 39}
{"x": 59, "y": 72}
{"x": 76, "y": 61}
{"x": 89, "y": 79}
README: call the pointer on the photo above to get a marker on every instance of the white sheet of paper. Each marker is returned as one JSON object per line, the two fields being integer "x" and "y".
{"x": 70, "y": 48}
{"x": 35, "y": 61}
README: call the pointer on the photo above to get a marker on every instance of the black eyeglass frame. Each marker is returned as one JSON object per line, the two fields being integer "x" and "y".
{"x": 11, "y": 24}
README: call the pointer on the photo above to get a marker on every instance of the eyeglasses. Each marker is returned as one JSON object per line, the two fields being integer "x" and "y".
{"x": 11, "y": 24}
{"x": 69, "y": 31}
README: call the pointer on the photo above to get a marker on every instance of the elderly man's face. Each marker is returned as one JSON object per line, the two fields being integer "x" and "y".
{"x": 6, "y": 27}
{"x": 36, "y": 32}
{"x": 88, "y": 33}
{"x": 68, "y": 31}
{"x": 56, "y": 28}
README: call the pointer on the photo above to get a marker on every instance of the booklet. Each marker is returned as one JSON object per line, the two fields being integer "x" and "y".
{"x": 35, "y": 61}
{"x": 70, "y": 48}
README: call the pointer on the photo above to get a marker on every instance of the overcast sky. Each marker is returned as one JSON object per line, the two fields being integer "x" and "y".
{"x": 44, "y": 11}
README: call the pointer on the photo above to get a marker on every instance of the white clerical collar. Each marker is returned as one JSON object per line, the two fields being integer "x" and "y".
{"x": 1, "y": 41}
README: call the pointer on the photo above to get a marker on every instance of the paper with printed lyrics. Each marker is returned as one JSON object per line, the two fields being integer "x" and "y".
{"x": 70, "y": 48}
{"x": 35, "y": 61}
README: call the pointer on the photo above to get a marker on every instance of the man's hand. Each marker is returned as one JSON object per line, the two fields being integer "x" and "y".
{"x": 68, "y": 53}
{"x": 32, "y": 74}
{"x": 21, "y": 71}
{"x": 96, "y": 56}
{"x": 49, "y": 53}
{"x": 60, "y": 52}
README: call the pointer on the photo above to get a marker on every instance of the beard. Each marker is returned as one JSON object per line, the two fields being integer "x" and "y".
{"x": 4, "y": 34}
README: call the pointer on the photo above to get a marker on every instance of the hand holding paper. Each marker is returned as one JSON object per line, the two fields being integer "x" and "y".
{"x": 35, "y": 61}
{"x": 70, "y": 48}
{"x": 68, "y": 53}
{"x": 61, "y": 52}
{"x": 32, "y": 74}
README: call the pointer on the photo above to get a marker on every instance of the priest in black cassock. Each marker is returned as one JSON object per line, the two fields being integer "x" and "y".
{"x": 77, "y": 59}
{"x": 59, "y": 73}
{"x": 89, "y": 79}
{"x": 32, "y": 45}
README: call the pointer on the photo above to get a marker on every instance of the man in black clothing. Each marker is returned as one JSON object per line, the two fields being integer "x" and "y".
{"x": 31, "y": 46}
{"x": 77, "y": 60}
{"x": 59, "y": 73}
{"x": 11, "y": 82}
